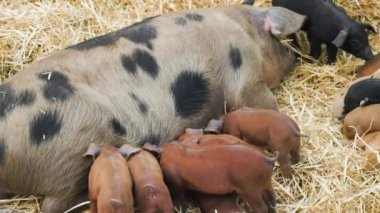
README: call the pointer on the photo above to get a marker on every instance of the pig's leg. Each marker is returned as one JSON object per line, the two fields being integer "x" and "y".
{"x": 258, "y": 95}
{"x": 295, "y": 152}
{"x": 331, "y": 53}
{"x": 315, "y": 46}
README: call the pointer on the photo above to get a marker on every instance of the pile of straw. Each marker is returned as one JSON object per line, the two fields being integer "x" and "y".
{"x": 331, "y": 176}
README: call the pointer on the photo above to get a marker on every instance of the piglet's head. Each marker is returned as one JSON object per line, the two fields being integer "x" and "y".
{"x": 354, "y": 39}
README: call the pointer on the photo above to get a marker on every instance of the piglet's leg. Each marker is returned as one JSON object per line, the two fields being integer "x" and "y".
{"x": 315, "y": 46}
{"x": 331, "y": 53}
{"x": 283, "y": 159}
{"x": 295, "y": 156}
{"x": 255, "y": 201}
{"x": 295, "y": 152}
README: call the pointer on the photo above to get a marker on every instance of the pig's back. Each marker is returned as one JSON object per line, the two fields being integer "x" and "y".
{"x": 166, "y": 82}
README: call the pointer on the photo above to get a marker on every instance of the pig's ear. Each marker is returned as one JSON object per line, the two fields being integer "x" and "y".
{"x": 154, "y": 149}
{"x": 340, "y": 38}
{"x": 127, "y": 150}
{"x": 369, "y": 27}
{"x": 92, "y": 151}
{"x": 282, "y": 22}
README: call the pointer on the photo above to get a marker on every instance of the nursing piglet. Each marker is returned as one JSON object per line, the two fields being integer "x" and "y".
{"x": 110, "y": 184}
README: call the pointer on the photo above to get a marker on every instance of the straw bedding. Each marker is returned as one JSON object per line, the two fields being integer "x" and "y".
{"x": 331, "y": 176}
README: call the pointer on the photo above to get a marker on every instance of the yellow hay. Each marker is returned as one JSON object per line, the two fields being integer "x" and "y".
{"x": 331, "y": 176}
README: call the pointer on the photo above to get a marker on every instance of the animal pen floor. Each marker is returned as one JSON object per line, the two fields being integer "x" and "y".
{"x": 331, "y": 176}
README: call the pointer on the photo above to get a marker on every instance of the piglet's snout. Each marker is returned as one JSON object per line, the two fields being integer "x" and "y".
{"x": 367, "y": 55}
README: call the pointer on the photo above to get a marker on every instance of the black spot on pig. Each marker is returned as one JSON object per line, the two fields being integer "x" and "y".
{"x": 190, "y": 92}
{"x": 129, "y": 64}
{"x": 142, "y": 59}
{"x": 146, "y": 62}
{"x": 44, "y": 127}
{"x": 2, "y": 150}
{"x": 194, "y": 17}
{"x": 362, "y": 93}
{"x": 143, "y": 107}
{"x": 57, "y": 86}
{"x": 117, "y": 127}
{"x": 140, "y": 33}
{"x": 10, "y": 99}
{"x": 154, "y": 139}
{"x": 26, "y": 97}
{"x": 235, "y": 58}
{"x": 180, "y": 21}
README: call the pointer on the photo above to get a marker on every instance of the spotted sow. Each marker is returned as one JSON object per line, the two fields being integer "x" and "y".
{"x": 143, "y": 83}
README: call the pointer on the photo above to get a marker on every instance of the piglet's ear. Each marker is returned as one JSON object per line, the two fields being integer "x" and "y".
{"x": 282, "y": 22}
{"x": 127, "y": 150}
{"x": 154, "y": 149}
{"x": 92, "y": 151}
{"x": 340, "y": 38}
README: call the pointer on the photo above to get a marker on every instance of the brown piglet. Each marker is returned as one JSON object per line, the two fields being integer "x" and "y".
{"x": 110, "y": 183}
{"x": 267, "y": 128}
{"x": 370, "y": 143}
{"x": 372, "y": 150}
{"x": 362, "y": 120}
{"x": 150, "y": 192}
{"x": 219, "y": 169}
